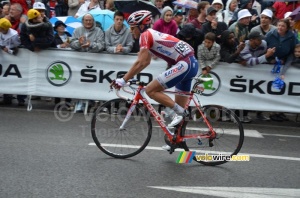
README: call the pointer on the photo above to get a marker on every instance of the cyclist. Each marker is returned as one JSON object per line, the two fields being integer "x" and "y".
{"x": 175, "y": 52}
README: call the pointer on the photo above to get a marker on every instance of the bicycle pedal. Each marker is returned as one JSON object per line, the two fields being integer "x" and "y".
{"x": 172, "y": 149}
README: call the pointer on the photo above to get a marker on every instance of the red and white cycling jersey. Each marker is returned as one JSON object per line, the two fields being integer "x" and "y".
{"x": 165, "y": 46}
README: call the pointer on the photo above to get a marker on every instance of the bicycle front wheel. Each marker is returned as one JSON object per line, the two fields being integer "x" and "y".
{"x": 214, "y": 150}
{"x": 123, "y": 142}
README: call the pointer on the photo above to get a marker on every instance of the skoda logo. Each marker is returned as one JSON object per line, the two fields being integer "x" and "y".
{"x": 58, "y": 73}
{"x": 210, "y": 83}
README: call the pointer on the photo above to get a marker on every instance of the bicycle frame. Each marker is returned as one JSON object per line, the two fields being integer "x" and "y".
{"x": 140, "y": 96}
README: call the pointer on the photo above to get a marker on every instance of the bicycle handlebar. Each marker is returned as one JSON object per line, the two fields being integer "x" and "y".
{"x": 130, "y": 82}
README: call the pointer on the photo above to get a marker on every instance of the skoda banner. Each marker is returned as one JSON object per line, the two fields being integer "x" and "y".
{"x": 70, "y": 74}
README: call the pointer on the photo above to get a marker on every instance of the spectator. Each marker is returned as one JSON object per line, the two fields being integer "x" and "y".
{"x": 293, "y": 60}
{"x": 56, "y": 8}
{"x": 166, "y": 24}
{"x": 230, "y": 47}
{"x": 178, "y": 16}
{"x": 62, "y": 37}
{"x": 294, "y": 25}
{"x": 255, "y": 51}
{"x": 287, "y": 15}
{"x": 15, "y": 16}
{"x": 35, "y": 33}
{"x": 9, "y": 42}
{"x": 257, "y": 6}
{"x": 230, "y": 52}
{"x": 102, "y": 4}
{"x": 283, "y": 40}
{"x": 240, "y": 28}
{"x": 247, "y": 4}
{"x": 159, "y": 4}
{"x": 5, "y": 10}
{"x": 282, "y": 8}
{"x": 208, "y": 53}
{"x": 191, "y": 35}
{"x": 88, "y": 6}
{"x": 213, "y": 25}
{"x": 118, "y": 38}
{"x": 109, "y": 5}
{"x": 201, "y": 19}
{"x": 218, "y": 5}
{"x": 274, "y": 18}
{"x": 88, "y": 38}
{"x": 192, "y": 14}
{"x": 231, "y": 7}
{"x": 40, "y": 7}
{"x": 74, "y": 5}
{"x": 26, "y": 4}
{"x": 265, "y": 23}
{"x": 62, "y": 40}
{"x": 9, "y": 38}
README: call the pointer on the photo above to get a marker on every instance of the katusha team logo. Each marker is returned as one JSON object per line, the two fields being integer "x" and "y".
{"x": 58, "y": 73}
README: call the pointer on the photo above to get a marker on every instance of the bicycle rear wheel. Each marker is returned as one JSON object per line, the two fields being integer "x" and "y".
{"x": 229, "y": 135}
{"x": 116, "y": 142}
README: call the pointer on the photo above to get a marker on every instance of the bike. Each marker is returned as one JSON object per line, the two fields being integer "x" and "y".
{"x": 122, "y": 127}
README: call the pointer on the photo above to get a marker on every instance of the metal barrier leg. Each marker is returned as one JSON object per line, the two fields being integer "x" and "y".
{"x": 86, "y": 107}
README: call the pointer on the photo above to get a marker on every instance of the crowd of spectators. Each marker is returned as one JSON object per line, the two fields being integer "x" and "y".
{"x": 247, "y": 32}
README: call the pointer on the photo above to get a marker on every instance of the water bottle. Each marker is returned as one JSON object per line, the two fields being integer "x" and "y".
{"x": 277, "y": 66}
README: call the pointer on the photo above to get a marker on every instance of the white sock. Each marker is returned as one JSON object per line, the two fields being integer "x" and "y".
{"x": 178, "y": 109}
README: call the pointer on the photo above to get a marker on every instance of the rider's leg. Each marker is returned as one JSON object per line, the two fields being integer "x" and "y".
{"x": 181, "y": 100}
{"x": 154, "y": 91}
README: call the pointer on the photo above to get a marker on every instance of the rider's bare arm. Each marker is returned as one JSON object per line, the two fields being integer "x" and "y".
{"x": 143, "y": 60}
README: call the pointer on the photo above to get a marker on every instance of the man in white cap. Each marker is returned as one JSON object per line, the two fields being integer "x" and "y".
{"x": 265, "y": 23}
{"x": 240, "y": 28}
{"x": 39, "y": 6}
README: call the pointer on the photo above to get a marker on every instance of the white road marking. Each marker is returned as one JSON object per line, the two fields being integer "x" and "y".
{"x": 247, "y": 133}
{"x": 204, "y": 151}
{"x": 235, "y": 192}
{"x": 280, "y": 135}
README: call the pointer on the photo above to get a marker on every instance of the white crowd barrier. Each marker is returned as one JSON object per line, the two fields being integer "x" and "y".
{"x": 60, "y": 73}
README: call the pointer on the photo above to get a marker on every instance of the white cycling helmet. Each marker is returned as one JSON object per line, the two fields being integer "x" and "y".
{"x": 141, "y": 17}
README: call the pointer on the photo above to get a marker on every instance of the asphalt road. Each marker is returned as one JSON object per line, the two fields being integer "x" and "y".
{"x": 41, "y": 156}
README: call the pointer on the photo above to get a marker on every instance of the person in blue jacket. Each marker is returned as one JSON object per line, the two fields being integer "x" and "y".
{"x": 283, "y": 40}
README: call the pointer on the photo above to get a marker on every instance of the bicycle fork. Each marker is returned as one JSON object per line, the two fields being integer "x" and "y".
{"x": 129, "y": 112}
